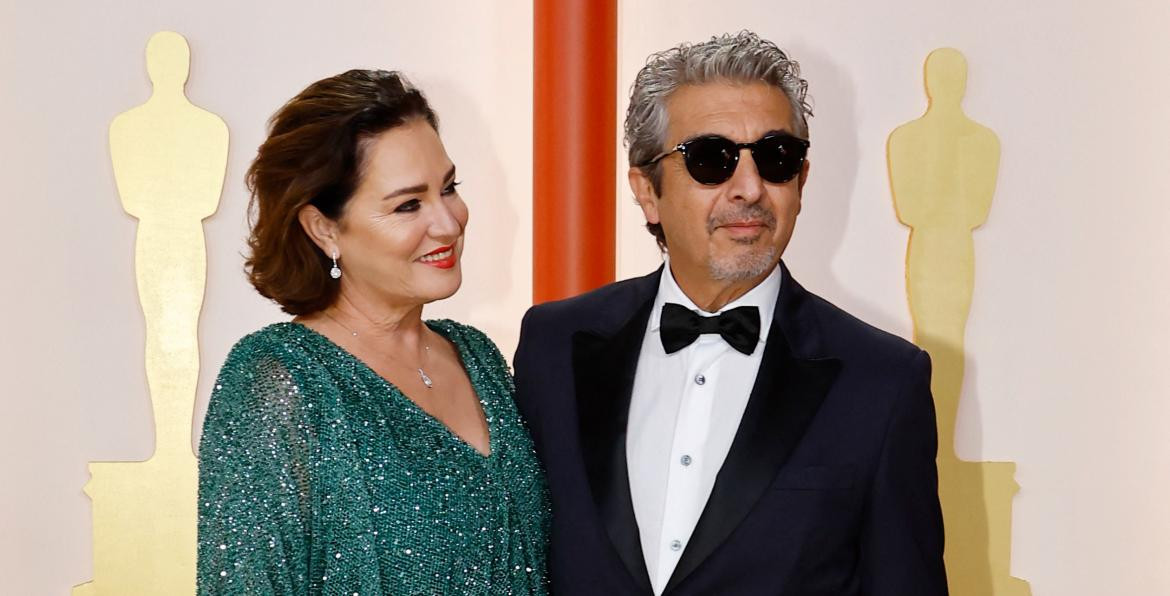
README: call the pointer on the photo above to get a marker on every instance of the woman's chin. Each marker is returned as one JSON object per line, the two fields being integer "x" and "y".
{"x": 442, "y": 289}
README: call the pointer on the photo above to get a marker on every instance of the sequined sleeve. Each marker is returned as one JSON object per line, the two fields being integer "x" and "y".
{"x": 254, "y": 496}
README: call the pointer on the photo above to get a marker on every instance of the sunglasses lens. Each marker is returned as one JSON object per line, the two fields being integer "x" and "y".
{"x": 711, "y": 160}
{"x": 778, "y": 158}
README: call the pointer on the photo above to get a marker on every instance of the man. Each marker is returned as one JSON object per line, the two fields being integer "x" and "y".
{"x": 713, "y": 427}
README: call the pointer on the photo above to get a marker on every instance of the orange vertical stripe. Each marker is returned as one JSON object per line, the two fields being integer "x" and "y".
{"x": 574, "y": 150}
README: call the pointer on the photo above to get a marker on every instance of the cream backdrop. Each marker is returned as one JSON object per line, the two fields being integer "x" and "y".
{"x": 1066, "y": 335}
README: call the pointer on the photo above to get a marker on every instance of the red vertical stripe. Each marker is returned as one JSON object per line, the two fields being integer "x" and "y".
{"x": 574, "y": 151}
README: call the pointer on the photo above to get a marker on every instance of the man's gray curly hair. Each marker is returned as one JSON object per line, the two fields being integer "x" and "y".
{"x": 739, "y": 58}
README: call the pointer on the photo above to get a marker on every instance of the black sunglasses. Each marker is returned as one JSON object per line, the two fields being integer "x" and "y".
{"x": 712, "y": 159}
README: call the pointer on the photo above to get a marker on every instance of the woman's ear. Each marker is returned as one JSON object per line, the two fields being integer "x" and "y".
{"x": 321, "y": 229}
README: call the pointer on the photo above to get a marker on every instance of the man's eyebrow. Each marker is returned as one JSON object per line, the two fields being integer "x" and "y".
{"x": 779, "y": 131}
{"x": 699, "y": 135}
{"x": 418, "y": 188}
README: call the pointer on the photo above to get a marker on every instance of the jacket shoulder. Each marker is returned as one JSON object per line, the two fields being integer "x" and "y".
{"x": 608, "y": 303}
{"x": 857, "y": 340}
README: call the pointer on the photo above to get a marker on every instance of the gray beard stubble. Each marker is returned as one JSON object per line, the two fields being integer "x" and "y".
{"x": 743, "y": 266}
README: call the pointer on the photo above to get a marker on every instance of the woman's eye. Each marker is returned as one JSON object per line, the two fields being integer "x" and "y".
{"x": 408, "y": 207}
{"x": 450, "y": 189}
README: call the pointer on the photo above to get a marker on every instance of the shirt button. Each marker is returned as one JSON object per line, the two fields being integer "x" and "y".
{"x": 685, "y": 460}
{"x": 700, "y": 379}
{"x": 675, "y": 545}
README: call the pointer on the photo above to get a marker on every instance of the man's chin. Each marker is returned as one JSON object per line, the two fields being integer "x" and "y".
{"x": 743, "y": 265}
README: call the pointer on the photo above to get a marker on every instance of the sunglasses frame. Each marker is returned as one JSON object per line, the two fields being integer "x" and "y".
{"x": 685, "y": 146}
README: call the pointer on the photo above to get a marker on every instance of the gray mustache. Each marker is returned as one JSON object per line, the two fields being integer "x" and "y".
{"x": 751, "y": 212}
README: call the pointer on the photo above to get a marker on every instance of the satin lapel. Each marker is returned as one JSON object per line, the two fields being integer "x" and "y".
{"x": 787, "y": 394}
{"x": 603, "y": 370}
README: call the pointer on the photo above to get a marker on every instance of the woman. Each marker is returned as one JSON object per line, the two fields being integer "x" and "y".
{"x": 357, "y": 449}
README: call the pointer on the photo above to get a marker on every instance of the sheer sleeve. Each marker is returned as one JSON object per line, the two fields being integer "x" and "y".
{"x": 255, "y": 501}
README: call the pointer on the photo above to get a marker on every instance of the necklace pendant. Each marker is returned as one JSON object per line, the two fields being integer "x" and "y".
{"x": 425, "y": 379}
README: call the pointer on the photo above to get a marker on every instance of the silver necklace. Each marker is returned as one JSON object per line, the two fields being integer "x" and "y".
{"x": 426, "y": 379}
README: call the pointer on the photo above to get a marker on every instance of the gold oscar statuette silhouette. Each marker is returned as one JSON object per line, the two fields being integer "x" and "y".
{"x": 943, "y": 168}
{"x": 169, "y": 160}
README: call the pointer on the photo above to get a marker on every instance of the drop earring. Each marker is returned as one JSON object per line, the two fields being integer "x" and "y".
{"x": 335, "y": 272}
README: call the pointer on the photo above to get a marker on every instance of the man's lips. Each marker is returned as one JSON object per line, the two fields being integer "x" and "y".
{"x": 744, "y": 225}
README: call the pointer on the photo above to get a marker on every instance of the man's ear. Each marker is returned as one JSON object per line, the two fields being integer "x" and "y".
{"x": 644, "y": 194}
{"x": 320, "y": 229}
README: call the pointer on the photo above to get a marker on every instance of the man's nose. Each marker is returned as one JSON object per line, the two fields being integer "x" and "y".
{"x": 745, "y": 183}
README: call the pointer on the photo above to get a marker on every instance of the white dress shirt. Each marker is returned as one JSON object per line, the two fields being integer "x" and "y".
{"x": 684, "y": 413}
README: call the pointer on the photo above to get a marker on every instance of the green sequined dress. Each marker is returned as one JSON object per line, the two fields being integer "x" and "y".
{"x": 316, "y": 476}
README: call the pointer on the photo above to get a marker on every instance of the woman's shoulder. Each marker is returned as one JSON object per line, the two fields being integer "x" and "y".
{"x": 278, "y": 342}
{"x": 265, "y": 394}
{"x": 274, "y": 373}
{"x": 466, "y": 335}
{"x": 473, "y": 341}
{"x": 280, "y": 350}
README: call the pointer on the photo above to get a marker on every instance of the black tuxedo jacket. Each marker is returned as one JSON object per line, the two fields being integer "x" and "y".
{"x": 830, "y": 486}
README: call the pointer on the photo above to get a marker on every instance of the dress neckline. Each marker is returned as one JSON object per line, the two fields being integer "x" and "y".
{"x": 474, "y": 374}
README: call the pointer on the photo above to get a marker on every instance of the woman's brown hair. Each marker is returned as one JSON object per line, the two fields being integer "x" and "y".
{"x": 313, "y": 156}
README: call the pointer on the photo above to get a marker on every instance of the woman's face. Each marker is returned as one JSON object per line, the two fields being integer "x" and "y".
{"x": 400, "y": 236}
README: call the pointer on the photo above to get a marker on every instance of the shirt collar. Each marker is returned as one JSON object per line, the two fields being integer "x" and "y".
{"x": 763, "y": 296}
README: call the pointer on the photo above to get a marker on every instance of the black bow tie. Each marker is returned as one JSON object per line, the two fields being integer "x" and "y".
{"x": 680, "y": 327}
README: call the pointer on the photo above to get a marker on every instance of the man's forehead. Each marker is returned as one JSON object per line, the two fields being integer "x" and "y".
{"x": 729, "y": 109}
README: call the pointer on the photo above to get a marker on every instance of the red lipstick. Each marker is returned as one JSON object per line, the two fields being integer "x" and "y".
{"x": 446, "y": 262}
